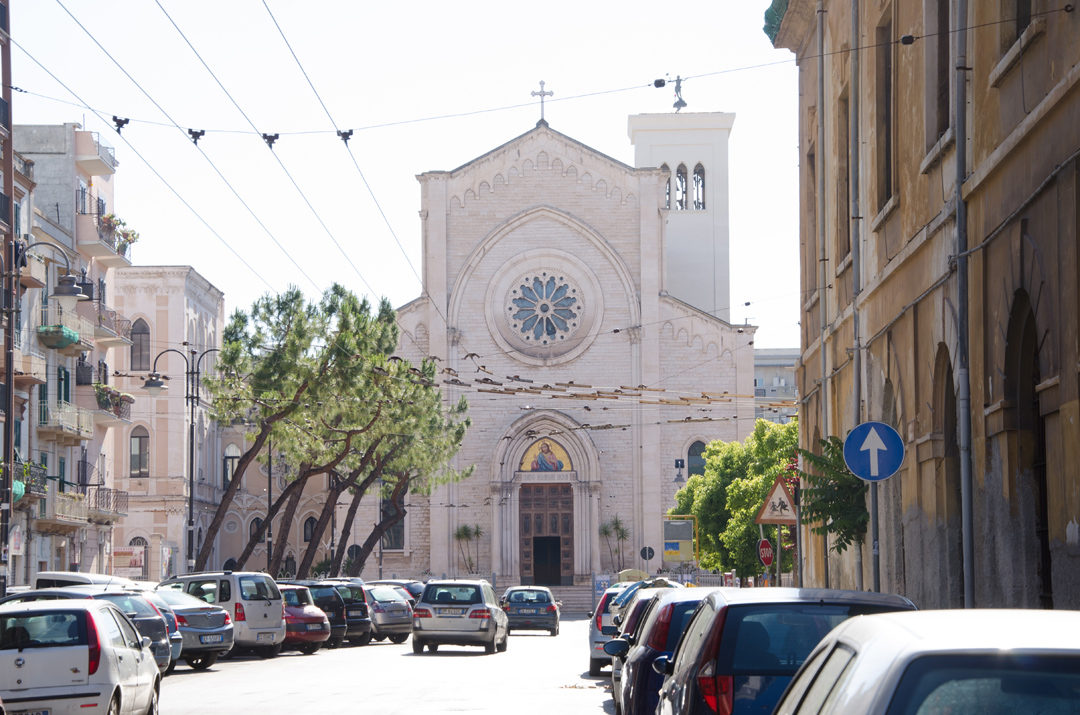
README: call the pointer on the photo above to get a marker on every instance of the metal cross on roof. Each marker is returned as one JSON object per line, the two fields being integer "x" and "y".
{"x": 541, "y": 94}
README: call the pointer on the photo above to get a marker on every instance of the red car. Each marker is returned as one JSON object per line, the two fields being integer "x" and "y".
{"x": 306, "y": 626}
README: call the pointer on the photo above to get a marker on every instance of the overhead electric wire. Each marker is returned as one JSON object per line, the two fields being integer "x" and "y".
{"x": 296, "y": 185}
{"x": 148, "y": 166}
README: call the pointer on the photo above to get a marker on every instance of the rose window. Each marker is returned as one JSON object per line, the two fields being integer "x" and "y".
{"x": 544, "y": 308}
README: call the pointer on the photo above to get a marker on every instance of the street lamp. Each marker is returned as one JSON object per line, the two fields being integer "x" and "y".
{"x": 155, "y": 386}
{"x": 67, "y": 294}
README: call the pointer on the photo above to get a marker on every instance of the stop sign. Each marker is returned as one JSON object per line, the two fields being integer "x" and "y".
{"x": 765, "y": 552}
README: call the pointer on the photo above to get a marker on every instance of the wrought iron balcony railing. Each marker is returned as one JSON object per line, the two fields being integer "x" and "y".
{"x": 107, "y": 501}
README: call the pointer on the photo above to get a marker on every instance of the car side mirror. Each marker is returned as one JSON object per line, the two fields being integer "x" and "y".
{"x": 660, "y": 665}
{"x": 617, "y": 647}
{"x": 145, "y": 642}
{"x": 609, "y": 630}
{"x": 617, "y": 619}
{"x": 590, "y": 614}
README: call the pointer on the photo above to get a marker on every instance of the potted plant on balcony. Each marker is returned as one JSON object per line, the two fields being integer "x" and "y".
{"x": 104, "y": 395}
{"x": 124, "y": 238}
{"x": 110, "y": 223}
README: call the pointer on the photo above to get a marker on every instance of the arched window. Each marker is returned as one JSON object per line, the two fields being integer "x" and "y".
{"x": 680, "y": 188}
{"x": 140, "y": 453}
{"x": 288, "y": 567}
{"x": 254, "y": 526}
{"x": 667, "y": 187}
{"x": 139, "y": 552}
{"x": 353, "y": 552}
{"x": 699, "y": 187}
{"x": 394, "y": 538}
{"x": 309, "y": 528}
{"x": 228, "y": 466}
{"x": 695, "y": 459}
{"x": 140, "y": 345}
{"x": 229, "y": 565}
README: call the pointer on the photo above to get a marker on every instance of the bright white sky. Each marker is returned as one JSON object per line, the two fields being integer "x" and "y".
{"x": 379, "y": 67}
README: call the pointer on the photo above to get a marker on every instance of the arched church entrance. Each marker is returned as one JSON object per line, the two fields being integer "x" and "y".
{"x": 547, "y": 534}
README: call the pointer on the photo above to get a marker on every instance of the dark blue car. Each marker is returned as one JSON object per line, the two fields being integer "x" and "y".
{"x": 657, "y": 635}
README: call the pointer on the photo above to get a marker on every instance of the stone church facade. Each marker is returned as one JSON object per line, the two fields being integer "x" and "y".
{"x": 551, "y": 302}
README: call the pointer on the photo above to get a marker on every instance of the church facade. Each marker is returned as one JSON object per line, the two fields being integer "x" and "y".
{"x": 580, "y": 305}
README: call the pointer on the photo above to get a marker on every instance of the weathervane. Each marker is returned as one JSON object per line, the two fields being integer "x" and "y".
{"x": 541, "y": 94}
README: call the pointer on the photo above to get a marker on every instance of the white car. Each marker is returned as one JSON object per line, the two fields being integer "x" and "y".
{"x": 78, "y": 656}
{"x": 252, "y": 600}
{"x": 963, "y": 662}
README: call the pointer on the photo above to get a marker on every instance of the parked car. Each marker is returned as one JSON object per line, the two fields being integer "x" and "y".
{"x": 207, "y": 630}
{"x": 358, "y": 627}
{"x": 331, "y": 603}
{"x": 962, "y": 662}
{"x": 176, "y": 639}
{"x": 599, "y": 620}
{"x": 147, "y": 618}
{"x": 629, "y": 592}
{"x": 60, "y": 579}
{"x": 743, "y": 645}
{"x": 107, "y": 665}
{"x": 252, "y": 600}
{"x": 531, "y": 608}
{"x": 657, "y": 634}
{"x": 391, "y": 614}
{"x": 306, "y": 625}
{"x": 414, "y": 587}
{"x": 632, "y": 616}
{"x": 459, "y": 613}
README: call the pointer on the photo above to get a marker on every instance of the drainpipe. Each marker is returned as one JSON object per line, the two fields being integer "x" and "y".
{"x": 824, "y": 396}
{"x": 964, "y": 397}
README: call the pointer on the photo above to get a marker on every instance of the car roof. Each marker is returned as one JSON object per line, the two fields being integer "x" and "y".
{"x": 291, "y": 586}
{"x": 673, "y": 595}
{"x": 735, "y": 596}
{"x": 60, "y": 605}
{"x": 457, "y": 582}
{"x": 196, "y": 574}
{"x": 528, "y": 588}
{"x": 951, "y": 631}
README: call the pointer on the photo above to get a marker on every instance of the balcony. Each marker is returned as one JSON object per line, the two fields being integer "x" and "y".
{"x": 35, "y": 274}
{"x": 113, "y": 329}
{"x": 64, "y": 514}
{"x": 113, "y": 406}
{"x": 102, "y": 245}
{"x": 65, "y": 330}
{"x": 24, "y": 167}
{"x": 92, "y": 156}
{"x": 65, "y": 423}
{"x": 32, "y": 367}
{"x": 106, "y": 506}
{"x": 33, "y": 477}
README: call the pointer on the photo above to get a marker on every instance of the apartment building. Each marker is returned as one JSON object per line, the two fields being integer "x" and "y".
{"x": 775, "y": 394}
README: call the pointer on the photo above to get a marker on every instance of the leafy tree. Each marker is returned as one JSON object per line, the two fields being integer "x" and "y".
{"x": 606, "y": 533}
{"x": 834, "y": 500}
{"x": 706, "y": 498}
{"x": 463, "y": 535}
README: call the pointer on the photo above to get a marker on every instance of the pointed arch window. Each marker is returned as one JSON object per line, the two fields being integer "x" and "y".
{"x": 667, "y": 187}
{"x": 139, "y": 467}
{"x": 228, "y": 466}
{"x": 680, "y": 188}
{"x": 309, "y": 528}
{"x": 254, "y": 527}
{"x": 695, "y": 459}
{"x": 140, "y": 345}
{"x": 699, "y": 188}
{"x": 139, "y": 560}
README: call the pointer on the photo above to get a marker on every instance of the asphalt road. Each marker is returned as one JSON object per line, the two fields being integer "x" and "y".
{"x": 536, "y": 674}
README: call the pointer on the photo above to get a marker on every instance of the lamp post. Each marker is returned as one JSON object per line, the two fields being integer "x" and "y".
{"x": 154, "y": 385}
{"x": 67, "y": 294}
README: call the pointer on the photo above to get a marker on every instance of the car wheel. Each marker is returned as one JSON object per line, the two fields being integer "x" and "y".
{"x": 618, "y": 710}
{"x": 378, "y": 639}
{"x": 501, "y": 647}
{"x": 489, "y": 648}
{"x": 114, "y": 705}
{"x": 155, "y": 700}
{"x": 335, "y": 642}
{"x": 361, "y": 640}
{"x": 417, "y": 646}
{"x": 270, "y": 651}
{"x": 554, "y": 631}
{"x": 398, "y": 637}
{"x": 201, "y": 661}
{"x": 309, "y": 648}
{"x": 171, "y": 668}
{"x": 595, "y": 666}
{"x": 433, "y": 647}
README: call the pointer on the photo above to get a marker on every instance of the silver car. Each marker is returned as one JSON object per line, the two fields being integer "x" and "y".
{"x": 391, "y": 614}
{"x": 601, "y": 629}
{"x": 459, "y": 613}
{"x": 207, "y": 630}
{"x": 960, "y": 662}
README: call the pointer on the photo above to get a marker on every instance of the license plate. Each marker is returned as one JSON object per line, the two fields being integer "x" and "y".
{"x": 30, "y": 712}
{"x": 451, "y": 611}
{"x": 210, "y": 639}
{"x": 356, "y": 614}
{"x": 527, "y": 610}
{"x": 265, "y": 637}
{"x": 314, "y": 626}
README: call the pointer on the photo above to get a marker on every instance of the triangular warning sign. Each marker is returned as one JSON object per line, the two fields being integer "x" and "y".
{"x": 779, "y": 507}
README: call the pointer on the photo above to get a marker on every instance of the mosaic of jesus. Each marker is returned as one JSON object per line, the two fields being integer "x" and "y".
{"x": 545, "y": 455}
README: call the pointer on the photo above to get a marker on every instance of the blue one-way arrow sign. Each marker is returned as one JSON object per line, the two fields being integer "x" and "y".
{"x": 874, "y": 451}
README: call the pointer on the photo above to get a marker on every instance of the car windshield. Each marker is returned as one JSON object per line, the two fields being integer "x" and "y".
{"x": 257, "y": 588}
{"x": 177, "y": 599}
{"x": 529, "y": 597}
{"x": 42, "y": 630}
{"x": 385, "y": 593}
{"x": 350, "y": 592}
{"x": 452, "y": 594}
{"x": 775, "y": 638}
{"x": 323, "y": 592}
{"x": 297, "y": 597}
{"x": 130, "y": 603}
{"x": 992, "y": 683}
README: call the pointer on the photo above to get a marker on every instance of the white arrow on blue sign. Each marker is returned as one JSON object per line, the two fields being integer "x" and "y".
{"x": 874, "y": 451}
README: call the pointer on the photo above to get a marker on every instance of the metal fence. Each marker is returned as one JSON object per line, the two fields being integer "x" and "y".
{"x": 111, "y": 501}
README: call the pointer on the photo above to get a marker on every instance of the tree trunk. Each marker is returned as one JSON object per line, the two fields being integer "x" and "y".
{"x": 398, "y": 500}
{"x": 346, "y": 528}
{"x": 283, "y": 532}
{"x": 257, "y": 538}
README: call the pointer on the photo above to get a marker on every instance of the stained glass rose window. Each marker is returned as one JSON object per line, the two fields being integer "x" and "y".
{"x": 544, "y": 307}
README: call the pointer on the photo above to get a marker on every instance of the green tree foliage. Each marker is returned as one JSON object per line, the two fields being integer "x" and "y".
{"x": 705, "y": 497}
{"x": 834, "y": 499}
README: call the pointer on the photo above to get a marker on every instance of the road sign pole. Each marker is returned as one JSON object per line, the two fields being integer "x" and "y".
{"x": 875, "y": 551}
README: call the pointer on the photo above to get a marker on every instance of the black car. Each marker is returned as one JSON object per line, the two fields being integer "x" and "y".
{"x": 347, "y": 620}
{"x": 357, "y": 613}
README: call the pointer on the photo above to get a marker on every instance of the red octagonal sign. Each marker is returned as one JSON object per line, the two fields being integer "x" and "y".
{"x": 765, "y": 552}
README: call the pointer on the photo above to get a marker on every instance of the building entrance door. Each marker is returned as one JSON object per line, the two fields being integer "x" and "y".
{"x": 547, "y": 534}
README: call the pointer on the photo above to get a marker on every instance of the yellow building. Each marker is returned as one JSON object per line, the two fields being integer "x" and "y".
{"x": 884, "y": 306}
